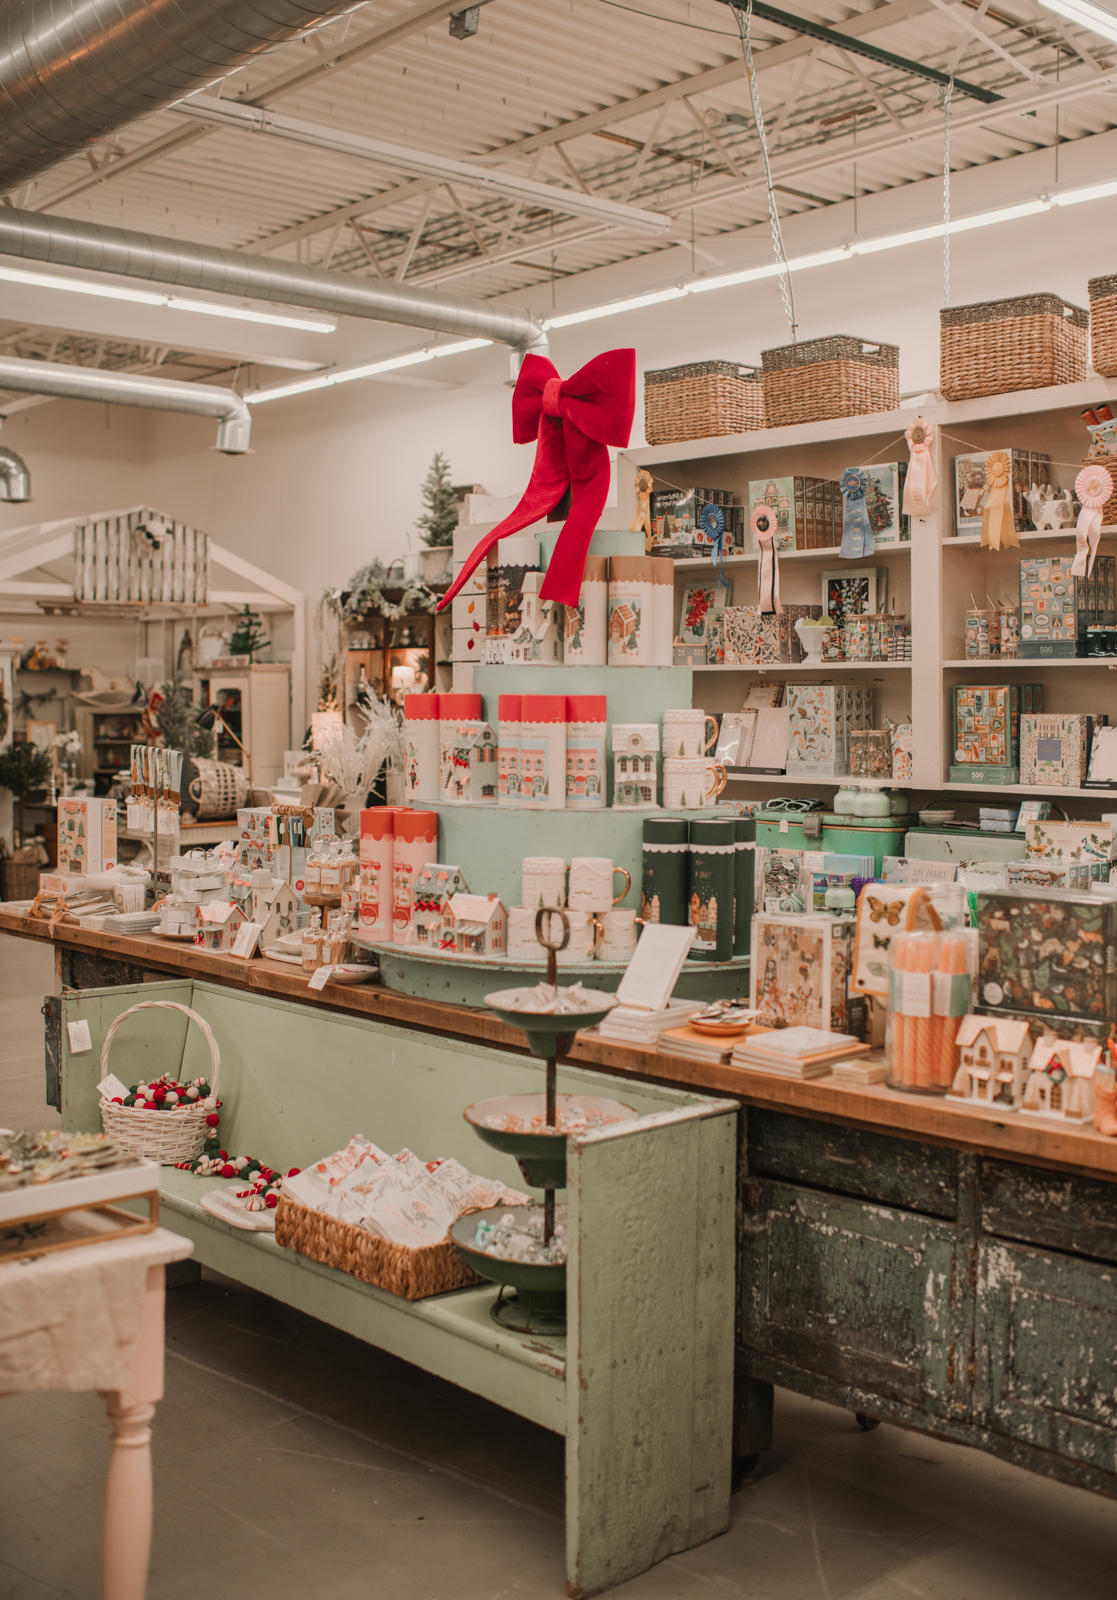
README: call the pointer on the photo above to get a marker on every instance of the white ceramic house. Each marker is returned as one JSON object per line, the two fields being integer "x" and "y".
{"x": 635, "y": 750}
{"x": 539, "y": 636}
{"x": 475, "y": 925}
{"x": 992, "y": 1060}
{"x": 434, "y": 885}
{"x": 281, "y": 914}
{"x": 472, "y": 776}
{"x": 1061, "y": 1080}
{"x": 217, "y": 924}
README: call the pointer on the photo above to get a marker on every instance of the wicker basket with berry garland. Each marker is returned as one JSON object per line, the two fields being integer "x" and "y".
{"x": 164, "y": 1119}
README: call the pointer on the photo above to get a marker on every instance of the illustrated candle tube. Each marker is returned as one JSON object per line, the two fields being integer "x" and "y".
{"x": 666, "y": 865}
{"x": 585, "y": 751}
{"x": 744, "y": 862}
{"x": 374, "y": 911}
{"x": 641, "y": 599}
{"x": 713, "y": 849}
{"x": 508, "y": 749}
{"x": 420, "y": 726}
{"x": 414, "y": 845}
{"x": 459, "y": 723}
{"x": 543, "y": 752}
{"x": 663, "y": 611}
{"x": 508, "y": 564}
{"x": 587, "y": 623}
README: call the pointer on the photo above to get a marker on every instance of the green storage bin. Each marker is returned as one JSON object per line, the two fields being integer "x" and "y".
{"x": 851, "y": 836}
{"x": 962, "y": 846}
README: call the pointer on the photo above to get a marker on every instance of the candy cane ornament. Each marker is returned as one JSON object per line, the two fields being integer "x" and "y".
{"x": 1093, "y": 486}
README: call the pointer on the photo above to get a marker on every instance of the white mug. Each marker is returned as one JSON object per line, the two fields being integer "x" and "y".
{"x": 591, "y": 883}
{"x": 543, "y": 882}
{"x": 585, "y": 938}
{"x": 684, "y": 733}
{"x": 692, "y": 783}
{"x": 522, "y": 943}
{"x": 619, "y": 941}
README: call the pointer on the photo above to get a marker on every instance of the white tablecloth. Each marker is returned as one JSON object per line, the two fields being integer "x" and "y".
{"x": 72, "y": 1320}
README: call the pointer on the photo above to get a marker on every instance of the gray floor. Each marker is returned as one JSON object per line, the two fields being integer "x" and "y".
{"x": 293, "y": 1462}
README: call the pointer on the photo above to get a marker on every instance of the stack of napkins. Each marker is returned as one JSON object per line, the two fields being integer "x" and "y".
{"x": 796, "y": 1052}
{"x": 695, "y": 1046}
{"x": 131, "y": 922}
{"x": 861, "y": 1071}
{"x": 634, "y": 1025}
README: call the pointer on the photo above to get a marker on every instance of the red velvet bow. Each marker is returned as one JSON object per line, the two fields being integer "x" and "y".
{"x": 573, "y": 421}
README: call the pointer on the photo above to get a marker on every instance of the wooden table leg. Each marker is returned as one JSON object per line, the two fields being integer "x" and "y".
{"x": 128, "y": 1494}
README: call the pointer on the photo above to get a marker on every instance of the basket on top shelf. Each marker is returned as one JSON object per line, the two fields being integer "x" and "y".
{"x": 834, "y": 377}
{"x": 1103, "y": 325}
{"x": 164, "y": 1136}
{"x": 1030, "y": 342}
{"x": 701, "y": 401}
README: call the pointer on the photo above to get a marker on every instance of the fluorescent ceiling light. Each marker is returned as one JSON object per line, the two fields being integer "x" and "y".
{"x": 369, "y": 370}
{"x": 1086, "y": 15}
{"x": 635, "y": 304}
{"x": 174, "y": 302}
{"x": 1075, "y": 197}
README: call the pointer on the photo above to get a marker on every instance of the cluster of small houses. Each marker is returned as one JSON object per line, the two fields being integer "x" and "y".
{"x": 1000, "y": 1066}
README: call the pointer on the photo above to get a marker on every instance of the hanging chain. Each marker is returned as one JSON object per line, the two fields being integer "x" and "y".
{"x": 947, "y": 96}
{"x": 787, "y": 288}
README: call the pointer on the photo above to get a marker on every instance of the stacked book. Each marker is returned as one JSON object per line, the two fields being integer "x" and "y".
{"x": 635, "y": 1025}
{"x": 695, "y": 1046}
{"x": 134, "y": 922}
{"x": 797, "y": 1052}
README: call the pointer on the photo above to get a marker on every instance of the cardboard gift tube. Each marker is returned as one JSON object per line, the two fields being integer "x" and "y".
{"x": 420, "y": 727}
{"x": 585, "y": 751}
{"x": 584, "y": 638}
{"x": 459, "y": 720}
{"x": 377, "y": 844}
{"x": 415, "y": 843}
{"x": 543, "y": 751}
{"x": 666, "y": 867}
{"x": 713, "y": 848}
{"x": 744, "y": 862}
{"x": 508, "y": 749}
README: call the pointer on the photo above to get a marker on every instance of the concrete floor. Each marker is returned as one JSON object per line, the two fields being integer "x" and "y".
{"x": 294, "y": 1462}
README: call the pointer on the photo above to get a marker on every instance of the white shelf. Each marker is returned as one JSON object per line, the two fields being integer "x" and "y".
{"x": 1034, "y": 663}
{"x": 825, "y": 667}
{"x": 831, "y": 553}
{"x": 994, "y": 789}
{"x": 972, "y": 541}
{"x": 739, "y": 775}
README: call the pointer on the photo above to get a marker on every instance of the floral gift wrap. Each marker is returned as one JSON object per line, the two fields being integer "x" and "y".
{"x": 1051, "y": 954}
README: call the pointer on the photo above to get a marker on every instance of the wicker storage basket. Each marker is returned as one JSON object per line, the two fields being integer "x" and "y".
{"x": 164, "y": 1136}
{"x": 218, "y": 790}
{"x": 835, "y": 377}
{"x": 1103, "y": 326}
{"x": 702, "y": 400}
{"x": 410, "y": 1274}
{"x": 998, "y": 346}
{"x": 20, "y": 880}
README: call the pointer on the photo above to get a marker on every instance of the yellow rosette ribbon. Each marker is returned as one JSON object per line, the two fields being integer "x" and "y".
{"x": 642, "y": 521}
{"x": 998, "y": 528}
{"x": 922, "y": 482}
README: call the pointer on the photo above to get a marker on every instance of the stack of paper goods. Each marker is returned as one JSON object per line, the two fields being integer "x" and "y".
{"x": 797, "y": 1052}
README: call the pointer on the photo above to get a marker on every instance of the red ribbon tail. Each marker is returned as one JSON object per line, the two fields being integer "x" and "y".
{"x": 589, "y": 477}
{"x": 546, "y": 487}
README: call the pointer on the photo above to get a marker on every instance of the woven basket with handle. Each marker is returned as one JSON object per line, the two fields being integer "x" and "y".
{"x": 998, "y": 346}
{"x": 835, "y": 377}
{"x": 702, "y": 400}
{"x": 164, "y": 1136}
{"x": 1103, "y": 325}
{"x": 411, "y": 1274}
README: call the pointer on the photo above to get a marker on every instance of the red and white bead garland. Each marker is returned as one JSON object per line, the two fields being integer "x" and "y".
{"x": 170, "y": 1094}
{"x": 263, "y": 1183}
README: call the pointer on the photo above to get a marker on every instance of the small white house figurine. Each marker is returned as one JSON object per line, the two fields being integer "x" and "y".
{"x": 217, "y": 924}
{"x": 1050, "y": 508}
{"x": 1061, "y": 1080}
{"x": 433, "y": 887}
{"x": 475, "y": 925}
{"x": 539, "y": 638}
{"x": 281, "y": 914}
{"x": 993, "y": 1061}
{"x": 471, "y": 775}
{"x": 635, "y": 749}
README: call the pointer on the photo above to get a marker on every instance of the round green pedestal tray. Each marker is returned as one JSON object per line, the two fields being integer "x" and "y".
{"x": 541, "y": 1157}
{"x": 540, "y": 1288}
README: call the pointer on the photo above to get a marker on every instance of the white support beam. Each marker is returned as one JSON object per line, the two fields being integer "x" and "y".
{"x": 969, "y": 26}
{"x": 44, "y": 591}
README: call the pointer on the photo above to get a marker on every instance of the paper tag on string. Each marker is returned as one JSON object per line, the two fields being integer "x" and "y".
{"x": 321, "y": 978}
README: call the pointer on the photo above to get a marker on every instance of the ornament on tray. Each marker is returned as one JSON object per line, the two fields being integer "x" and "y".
{"x": 573, "y": 421}
{"x": 998, "y": 527}
{"x": 642, "y": 521}
{"x": 764, "y": 525}
{"x": 857, "y": 532}
{"x": 922, "y": 482}
{"x": 1093, "y": 486}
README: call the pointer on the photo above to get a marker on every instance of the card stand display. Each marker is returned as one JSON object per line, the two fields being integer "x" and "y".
{"x": 43, "y": 1218}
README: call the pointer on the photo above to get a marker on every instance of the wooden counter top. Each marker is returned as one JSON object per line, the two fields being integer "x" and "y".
{"x": 929, "y": 1118}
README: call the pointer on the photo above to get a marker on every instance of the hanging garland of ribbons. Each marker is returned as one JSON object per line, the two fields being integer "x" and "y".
{"x": 1093, "y": 486}
{"x": 763, "y": 524}
{"x": 857, "y": 533}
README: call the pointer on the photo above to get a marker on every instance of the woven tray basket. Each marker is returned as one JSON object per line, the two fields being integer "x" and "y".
{"x": 702, "y": 400}
{"x": 835, "y": 377}
{"x": 1031, "y": 342}
{"x": 410, "y": 1274}
{"x": 164, "y": 1136}
{"x": 1103, "y": 326}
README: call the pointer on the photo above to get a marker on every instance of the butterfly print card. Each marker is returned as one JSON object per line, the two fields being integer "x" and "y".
{"x": 882, "y": 910}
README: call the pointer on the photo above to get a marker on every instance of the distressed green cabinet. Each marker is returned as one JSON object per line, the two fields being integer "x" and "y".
{"x": 969, "y": 1297}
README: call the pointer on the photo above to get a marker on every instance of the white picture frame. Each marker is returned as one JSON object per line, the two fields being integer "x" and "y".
{"x": 868, "y": 586}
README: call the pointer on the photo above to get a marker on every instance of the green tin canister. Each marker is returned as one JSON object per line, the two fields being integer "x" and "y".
{"x": 663, "y": 894}
{"x": 744, "y": 864}
{"x": 713, "y": 854}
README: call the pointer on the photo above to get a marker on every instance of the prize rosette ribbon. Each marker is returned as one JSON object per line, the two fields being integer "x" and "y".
{"x": 998, "y": 526}
{"x": 857, "y": 534}
{"x": 922, "y": 482}
{"x": 763, "y": 524}
{"x": 713, "y": 526}
{"x": 1093, "y": 486}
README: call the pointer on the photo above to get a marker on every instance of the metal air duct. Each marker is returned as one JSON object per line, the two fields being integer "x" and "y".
{"x": 90, "y": 247}
{"x": 15, "y": 480}
{"x": 73, "y": 71}
{"x": 130, "y": 389}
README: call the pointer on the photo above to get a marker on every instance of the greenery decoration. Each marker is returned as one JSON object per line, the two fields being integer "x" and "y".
{"x": 441, "y": 516}
{"x": 367, "y": 593}
{"x": 248, "y": 634}
{"x": 177, "y": 717}
{"x": 24, "y": 767}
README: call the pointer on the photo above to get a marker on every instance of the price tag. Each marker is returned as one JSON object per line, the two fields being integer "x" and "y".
{"x": 916, "y": 994}
{"x": 80, "y": 1041}
{"x": 321, "y": 978}
{"x": 783, "y": 825}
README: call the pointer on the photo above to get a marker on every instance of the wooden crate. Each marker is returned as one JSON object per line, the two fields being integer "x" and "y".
{"x": 834, "y": 377}
{"x": 997, "y": 346}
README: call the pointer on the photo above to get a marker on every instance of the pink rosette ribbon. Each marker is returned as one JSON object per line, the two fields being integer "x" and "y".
{"x": 1093, "y": 486}
{"x": 763, "y": 524}
{"x": 922, "y": 482}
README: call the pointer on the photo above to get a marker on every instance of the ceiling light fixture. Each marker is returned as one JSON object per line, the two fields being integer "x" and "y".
{"x": 1086, "y": 15}
{"x": 371, "y": 369}
{"x": 172, "y": 302}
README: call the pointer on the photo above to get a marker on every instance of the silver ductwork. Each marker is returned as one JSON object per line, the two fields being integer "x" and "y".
{"x": 74, "y": 71}
{"x": 15, "y": 480}
{"x": 89, "y": 247}
{"x": 130, "y": 389}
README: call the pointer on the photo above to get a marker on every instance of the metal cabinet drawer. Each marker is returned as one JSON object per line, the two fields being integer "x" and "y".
{"x": 895, "y": 1172}
{"x": 1052, "y": 1209}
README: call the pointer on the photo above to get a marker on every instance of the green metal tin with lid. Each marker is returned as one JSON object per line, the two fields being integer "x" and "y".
{"x": 838, "y": 835}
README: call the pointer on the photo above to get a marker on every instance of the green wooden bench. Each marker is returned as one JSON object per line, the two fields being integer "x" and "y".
{"x": 644, "y": 1397}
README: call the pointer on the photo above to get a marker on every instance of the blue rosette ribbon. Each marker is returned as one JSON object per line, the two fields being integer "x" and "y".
{"x": 857, "y": 533}
{"x": 713, "y": 526}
